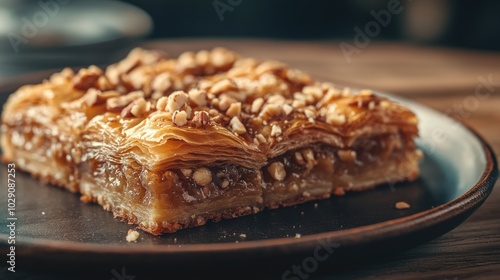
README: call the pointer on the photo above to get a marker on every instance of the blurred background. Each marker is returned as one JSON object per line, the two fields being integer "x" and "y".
{"x": 42, "y": 34}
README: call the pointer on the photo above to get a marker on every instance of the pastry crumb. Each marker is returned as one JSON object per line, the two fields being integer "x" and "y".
{"x": 339, "y": 191}
{"x": 132, "y": 235}
{"x": 243, "y": 235}
{"x": 85, "y": 198}
{"x": 315, "y": 205}
{"x": 297, "y": 235}
{"x": 43, "y": 213}
{"x": 402, "y": 205}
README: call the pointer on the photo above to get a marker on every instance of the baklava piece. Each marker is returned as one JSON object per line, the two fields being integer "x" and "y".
{"x": 169, "y": 143}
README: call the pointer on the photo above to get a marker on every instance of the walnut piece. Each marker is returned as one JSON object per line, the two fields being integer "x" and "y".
{"x": 202, "y": 176}
{"x": 117, "y": 104}
{"x": 138, "y": 108}
{"x": 179, "y": 118}
{"x": 176, "y": 100}
{"x": 87, "y": 77}
{"x": 201, "y": 119}
{"x": 237, "y": 126}
{"x": 277, "y": 171}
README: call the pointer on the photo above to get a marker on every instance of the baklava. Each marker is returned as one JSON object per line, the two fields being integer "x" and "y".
{"x": 170, "y": 143}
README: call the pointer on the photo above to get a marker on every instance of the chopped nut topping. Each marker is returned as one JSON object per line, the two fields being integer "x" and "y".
{"x": 176, "y": 100}
{"x": 221, "y": 57}
{"x": 202, "y": 57}
{"x": 257, "y": 104}
{"x": 260, "y": 138}
{"x": 213, "y": 112}
{"x": 161, "y": 104}
{"x": 287, "y": 109}
{"x": 347, "y": 155}
{"x": 310, "y": 113}
{"x": 186, "y": 61}
{"x": 225, "y": 102}
{"x": 306, "y": 99}
{"x": 331, "y": 94}
{"x": 268, "y": 66}
{"x": 335, "y": 119}
{"x": 202, "y": 176}
{"x": 297, "y": 76}
{"x": 298, "y": 103}
{"x": 224, "y": 85}
{"x": 366, "y": 92}
{"x": 161, "y": 83}
{"x": 313, "y": 91}
{"x": 276, "y": 130}
{"x": 199, "y": 88}
{"x": 90, "y": 98}
{"x": 402, "y": 205}
{"x": 237, "y": 126}
{"x": 62, "y": 77}
{"x": 86, "y": 77}
{"x": 372, "y": 105}
{"x": 271, "y": 110}
{"x": 138, "y": 108}
{"x": 234, "y": 110}
{"x": 201, "y": 119}
{"x": 276, "y": 99}
{"x": 198, "y": 97}
{"x": 179, "y": 118}
{"x": 117, "y": 104}
{"x": 277, "y": 171}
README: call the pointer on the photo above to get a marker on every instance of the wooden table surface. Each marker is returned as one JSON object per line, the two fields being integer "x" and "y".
{"x": 440, "y": 78}
{"x": 437, "y": 77}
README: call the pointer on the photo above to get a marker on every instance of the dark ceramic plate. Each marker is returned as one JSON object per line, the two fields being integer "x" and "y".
{"x": 458, "y": 174}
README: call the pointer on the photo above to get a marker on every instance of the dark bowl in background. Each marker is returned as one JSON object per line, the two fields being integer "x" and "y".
{"x": 67, "y": 33}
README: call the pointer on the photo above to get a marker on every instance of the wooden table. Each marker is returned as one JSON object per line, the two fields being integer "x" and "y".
{"x": 437, "y": 77}
{"x": 440, "y": 78}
